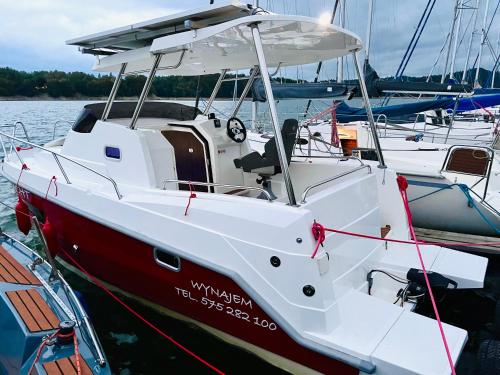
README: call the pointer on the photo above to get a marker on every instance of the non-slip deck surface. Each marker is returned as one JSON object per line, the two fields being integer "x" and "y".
{"x": 66, "y": 366}
{"x": 11, "y": 271}
{"x": 33, "y": 310}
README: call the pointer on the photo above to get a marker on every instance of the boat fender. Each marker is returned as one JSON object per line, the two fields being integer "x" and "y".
{"x": 50, "y": 236}
{"x": 23, "y": 216}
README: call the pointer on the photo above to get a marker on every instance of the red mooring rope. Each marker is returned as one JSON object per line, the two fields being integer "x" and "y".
{"x": 139, "y": 316}
{"x": 192, "y": 195}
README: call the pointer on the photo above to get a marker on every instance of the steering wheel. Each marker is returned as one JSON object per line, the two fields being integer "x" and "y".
{"x": 236, "y": 130}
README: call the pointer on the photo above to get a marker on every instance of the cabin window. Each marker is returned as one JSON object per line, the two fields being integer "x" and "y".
{"x": 167, "y": 259}
{"x": 113, "y": 152}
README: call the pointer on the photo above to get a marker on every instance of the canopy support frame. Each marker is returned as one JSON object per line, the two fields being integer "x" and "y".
{"x": 145, "y": 90}
{"x": 274, "y": 114}
{"x": 246, "y": 90}
{"x": 368, "y": 107}
{"x": 215, "y": 91}
{"x": 114, "y": 91}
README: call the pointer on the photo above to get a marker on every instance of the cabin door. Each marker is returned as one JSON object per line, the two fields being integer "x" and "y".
{"x": 190, "y": 158}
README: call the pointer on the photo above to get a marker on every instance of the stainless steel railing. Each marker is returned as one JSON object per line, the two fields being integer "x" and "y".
{"x": 56, "y": 124}
{"x": 486, "y": 176}
{"x": 57, "y": 158}
{"x": 213, "y": 184}
{"x": 340, "y": 175}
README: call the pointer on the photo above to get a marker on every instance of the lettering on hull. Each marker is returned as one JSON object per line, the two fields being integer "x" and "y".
{"x": 216, "y": 299}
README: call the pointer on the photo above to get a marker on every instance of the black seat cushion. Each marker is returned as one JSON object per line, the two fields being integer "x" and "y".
{"x": 254, "y": 160}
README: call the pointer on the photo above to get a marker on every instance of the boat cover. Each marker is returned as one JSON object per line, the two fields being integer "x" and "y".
{"x": 345, "y": 113}
{"x": 306, "y": 90}
{"x": 476, "y": 102}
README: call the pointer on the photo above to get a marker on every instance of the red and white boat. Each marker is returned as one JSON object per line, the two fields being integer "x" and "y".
{"x": 235, "y": 254}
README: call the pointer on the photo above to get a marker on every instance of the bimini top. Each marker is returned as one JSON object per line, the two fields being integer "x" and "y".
{"x": 287, "y": 41}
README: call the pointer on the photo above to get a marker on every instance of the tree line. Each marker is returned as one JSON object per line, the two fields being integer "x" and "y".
{"x": 56, "y": 84}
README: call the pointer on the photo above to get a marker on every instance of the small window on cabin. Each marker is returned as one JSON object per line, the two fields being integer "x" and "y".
{"x": 113, "y": 153}
{"x": 167, "y": 259}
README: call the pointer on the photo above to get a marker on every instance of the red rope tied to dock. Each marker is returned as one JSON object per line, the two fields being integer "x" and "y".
{"x": 140, "y": 317}
{"x": 192, "y": 195}
{"x": 403, "y": 185}
{"x": 318, "y": 232}
{"x": 53, "y": 179}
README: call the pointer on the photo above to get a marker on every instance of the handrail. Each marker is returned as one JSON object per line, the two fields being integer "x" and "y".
{"x": 57, "y": 123}
{"x": 329, "y": 156}
{"x": 56, "y": 157}
{"x": 310, "y": 187}
{"x": 472, "y": 147}
{"x": 213, "y": 184}
{"x": 385, "y": 122}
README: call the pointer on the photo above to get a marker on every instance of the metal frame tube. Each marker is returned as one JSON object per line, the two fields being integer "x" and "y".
{"x": 215, "y": 91}
{"x": 145, "y": 90}
{"x": 112, "y": 95}
{"x": 368, "y": 107}
{"x": 246, "y": 90}
{"x": 274, "y": 114}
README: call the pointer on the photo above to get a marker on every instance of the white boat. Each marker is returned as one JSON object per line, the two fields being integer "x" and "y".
{"x": 173, "y": 207}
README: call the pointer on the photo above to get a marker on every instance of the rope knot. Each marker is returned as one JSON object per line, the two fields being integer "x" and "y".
{"x": 402, "y": 183}
{"x": 318, "y": 232}
{"x": 192, "y": 195}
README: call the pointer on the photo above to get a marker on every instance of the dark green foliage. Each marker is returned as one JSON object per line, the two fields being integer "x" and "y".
{"x": 80, "y": 85}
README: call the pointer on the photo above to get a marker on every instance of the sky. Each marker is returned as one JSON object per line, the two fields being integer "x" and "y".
{"x": 33, "y": 32}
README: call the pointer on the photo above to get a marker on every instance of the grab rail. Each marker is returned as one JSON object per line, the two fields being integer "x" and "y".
{"x": 385, "y": 122}
{"x": 310, "y": 187}
{"x": 58, "y": 122}
{"x": 56, "y": 157}
{"x": 486, "y": 176}
{"x": 213, "y": 184}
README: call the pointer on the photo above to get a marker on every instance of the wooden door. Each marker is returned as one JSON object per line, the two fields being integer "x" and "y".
{"x": 190, "y": 158}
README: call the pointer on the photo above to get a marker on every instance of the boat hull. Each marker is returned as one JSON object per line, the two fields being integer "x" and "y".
{"x": 439, "y": 205}
{"x": 196, "y": 292}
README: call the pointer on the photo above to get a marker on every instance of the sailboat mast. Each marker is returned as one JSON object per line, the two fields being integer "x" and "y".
{"x": 495, "y": 66}
{"x": 368, "y": 33}
{"x": 483, "y": 41}
{"x": 450, "y": 41}
{"x": 474, "y": 30}
{"x": 340, "y": 60}
{"x": 457, "y": 34}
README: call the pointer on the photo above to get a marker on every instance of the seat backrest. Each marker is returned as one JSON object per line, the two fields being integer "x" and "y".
{"x": 289, "y": 135}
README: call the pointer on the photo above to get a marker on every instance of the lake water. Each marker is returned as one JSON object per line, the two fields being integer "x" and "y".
{"x": 132, "y": 347}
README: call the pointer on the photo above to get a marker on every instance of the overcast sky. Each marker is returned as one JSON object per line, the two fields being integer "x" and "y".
{"x": 33, "y": 32}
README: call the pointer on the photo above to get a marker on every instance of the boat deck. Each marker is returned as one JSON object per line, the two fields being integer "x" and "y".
{"x": 11, "y": 271}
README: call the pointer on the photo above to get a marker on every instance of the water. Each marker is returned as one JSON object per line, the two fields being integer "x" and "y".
{"x": 132, "y": 347}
